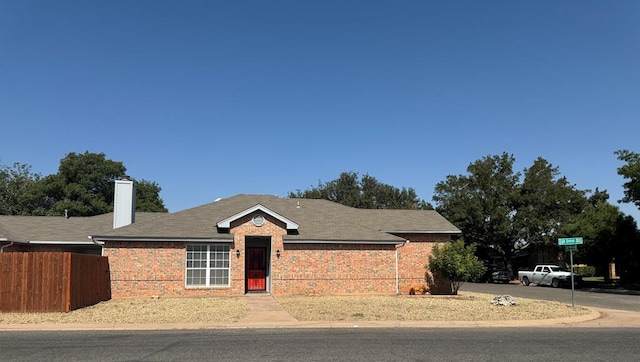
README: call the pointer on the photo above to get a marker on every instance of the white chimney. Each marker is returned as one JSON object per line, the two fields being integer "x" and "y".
{"x": 124, "y": 203}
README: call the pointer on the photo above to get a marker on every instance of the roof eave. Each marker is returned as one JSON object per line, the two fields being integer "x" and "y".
{"x": 160, "y": 239}
{"x": 318, "y": 241}
{"x": 58, "y": 242}
{"x": 7, "y": 240}
{"x": 422, "y": 231}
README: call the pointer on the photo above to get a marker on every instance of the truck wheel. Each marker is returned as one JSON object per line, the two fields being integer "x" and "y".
{"x": 555, "y": 283}
{"x": 525, "y": 281}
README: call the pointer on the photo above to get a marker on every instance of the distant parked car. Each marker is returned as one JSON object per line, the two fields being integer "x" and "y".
{"x": 500, "y": 276}
{"x": 552, "y": 275}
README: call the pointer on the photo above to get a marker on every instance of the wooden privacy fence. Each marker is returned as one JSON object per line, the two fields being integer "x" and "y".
{"x": 52, "y": 281}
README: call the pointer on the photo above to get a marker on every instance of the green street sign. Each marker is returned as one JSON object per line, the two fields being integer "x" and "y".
{"x": 570, "y": 241}
{"x": 572, "y": 247}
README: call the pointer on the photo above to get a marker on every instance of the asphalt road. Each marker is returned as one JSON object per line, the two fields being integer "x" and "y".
{"x": 581, "y": 297}
{"x": 356, "y": 344}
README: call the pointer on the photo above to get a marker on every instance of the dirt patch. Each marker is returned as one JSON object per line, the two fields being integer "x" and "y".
{"x": 143, "y": 310}
{"x": 465, "y": 307}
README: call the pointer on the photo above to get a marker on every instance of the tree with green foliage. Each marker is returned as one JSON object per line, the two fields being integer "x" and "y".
{"x": 482, "y": 205}
{"x": 631, "y": 172}
{"x": 364, "y": 193}
{"x": 597, "y": 226}
{"x": 501, "y": 214}
{"x": 628, "y": 249}
{"x": 544, "y": 201}
{"x": 608, "y": 236}
{"x": 148, "y": 197}
{"x": 456, "y": 262}
{"x": 16, "y": 185}
{"x": 83, "y": 186}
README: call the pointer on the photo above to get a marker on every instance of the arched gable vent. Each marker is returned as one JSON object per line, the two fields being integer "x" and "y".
{"x": 226, "y": 223}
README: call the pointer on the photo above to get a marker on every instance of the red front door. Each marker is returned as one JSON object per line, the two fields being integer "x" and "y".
{"x": 256, "y": 269}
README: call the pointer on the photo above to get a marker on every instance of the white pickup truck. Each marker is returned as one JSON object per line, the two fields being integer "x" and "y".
{"x": 552, "y": 275}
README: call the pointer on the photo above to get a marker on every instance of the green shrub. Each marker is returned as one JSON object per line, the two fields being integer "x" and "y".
{"x": 585, "y": 270}
{"x": 455, "y": 262}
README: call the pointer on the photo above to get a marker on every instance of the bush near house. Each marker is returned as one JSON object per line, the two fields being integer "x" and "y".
{"x": 585, "y": 270}
{"x": 455, "y": 262}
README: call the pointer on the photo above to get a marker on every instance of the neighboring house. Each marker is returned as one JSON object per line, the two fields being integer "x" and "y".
{"x": 245, "y": 243}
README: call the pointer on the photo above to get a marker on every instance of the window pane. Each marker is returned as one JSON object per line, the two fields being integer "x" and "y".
{"x": 196, "y": 277}
{"x": 219, "y": 277}
{"x": 207, "y": 265}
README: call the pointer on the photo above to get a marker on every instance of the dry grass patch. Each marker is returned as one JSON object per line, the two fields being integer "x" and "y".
{"x": 143, "y": 310}
{"x": 465, "y": 307}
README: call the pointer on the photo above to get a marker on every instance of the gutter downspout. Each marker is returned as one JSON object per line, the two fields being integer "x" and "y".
{"x": 398, "y": 246}
{"x": 5, "y": 246}
{"x": 99, "y": 243}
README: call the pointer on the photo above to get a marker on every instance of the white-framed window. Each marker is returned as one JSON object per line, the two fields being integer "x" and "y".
{"x": 207, "y": 265}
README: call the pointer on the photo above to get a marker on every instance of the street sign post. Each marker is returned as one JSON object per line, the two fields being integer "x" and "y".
{"x": 571, "y": 244}
{"x": 570, "y": 241}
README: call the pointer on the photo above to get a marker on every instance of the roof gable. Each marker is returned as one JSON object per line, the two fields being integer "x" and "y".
{"x": 226, "y": 223}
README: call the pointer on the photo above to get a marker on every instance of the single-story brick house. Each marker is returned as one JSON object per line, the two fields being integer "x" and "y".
{"x": 242, "y": 244}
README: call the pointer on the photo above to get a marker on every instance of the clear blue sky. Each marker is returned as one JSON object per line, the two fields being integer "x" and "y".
{"x": 214, "y": 98}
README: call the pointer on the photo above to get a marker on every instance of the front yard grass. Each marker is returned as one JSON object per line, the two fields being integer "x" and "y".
{"x": 143, "y": 310}
{"x": 465, "y": 307}
{"x": 228, "y": 310}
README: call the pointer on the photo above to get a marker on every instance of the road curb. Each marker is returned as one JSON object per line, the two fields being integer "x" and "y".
{"x": 568, "y": 321}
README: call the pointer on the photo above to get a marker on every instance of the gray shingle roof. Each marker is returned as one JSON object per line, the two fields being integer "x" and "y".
{"x": 58, "y": 228}
{"x": 318, "y": 220}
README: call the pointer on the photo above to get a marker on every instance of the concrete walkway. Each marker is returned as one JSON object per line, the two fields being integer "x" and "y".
{"x": 265, "y": 311}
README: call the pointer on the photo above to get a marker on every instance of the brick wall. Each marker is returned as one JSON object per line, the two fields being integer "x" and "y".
{"x": 335, "y": 269}
{"x": 145, "y": 268}
{"x": 272, "y": 228}
{"x": 158, "y": 268}
{"x": 412, "y": 258}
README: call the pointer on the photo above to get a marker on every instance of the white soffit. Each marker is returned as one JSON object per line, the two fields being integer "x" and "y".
{"x": 59, "y": 242}
{"x": 226, "y": 223}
